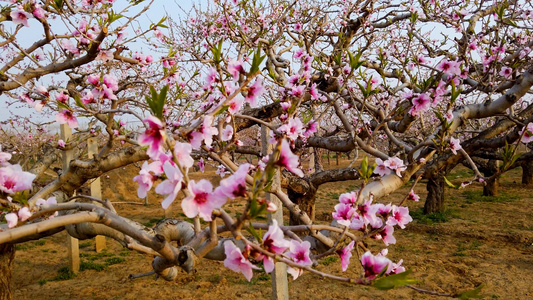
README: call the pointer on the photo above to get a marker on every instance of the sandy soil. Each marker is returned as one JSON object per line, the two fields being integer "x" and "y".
{"x": 477, "y": 241}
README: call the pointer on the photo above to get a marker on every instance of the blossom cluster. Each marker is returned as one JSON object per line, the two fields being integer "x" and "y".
{"x": 12, "y": 180}
{"x": 386, "y": 167}
{"x": 377, "y": 220}
{"x": 273, "y": 243}
{"x": 201, "y": 199}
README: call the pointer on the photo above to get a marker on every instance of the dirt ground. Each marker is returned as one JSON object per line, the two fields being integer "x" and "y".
{"x": 476, "y": 241}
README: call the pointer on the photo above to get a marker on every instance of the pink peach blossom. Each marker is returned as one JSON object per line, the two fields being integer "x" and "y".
{"x": 413, "y": 196}
{"x": 274, "y": 242}
{"x": 4, "y": 157}
{"x": 13, "y": 179}
{"x": 236, "y": 262}
{"x": 183, "y": 151}
{"x": 374, "y": 265}
{"x": 11, "y": 219}
{"x": 386, "y": 235}
{"x": 395, "y": 164}
{"x": 145, "y": 179}
{"x": 235, "y": 68}
{"x": 235, "y": 185}
{"x": 24, "y": 213}
{"x": 20, "y": 17}
{"x": 299, "y": 253}
{"x": 345, "y": 254}
{"x": 254, "y": 92}
{"x": 288, "y": 160}
{"x": 105, "y": 55}
{"x": 67, "y": 117}
{"x": 400, "y": 216}
{"x": 227, "y": 133}
{"x": 527, "y": 133}
{"x": 172, "y": 185}
{"x": 344, "y": 213}
{"x": 153, "y": 137}
{"x": 202, "y": 201}
{"x": 455, "y": 145}
{"x": 381, "y": 169}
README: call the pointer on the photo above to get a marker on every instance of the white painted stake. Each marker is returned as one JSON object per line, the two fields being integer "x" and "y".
{"x": 96, "y": 189}
{"x": 72, "y": 243}
{"x": 280, "y": 286}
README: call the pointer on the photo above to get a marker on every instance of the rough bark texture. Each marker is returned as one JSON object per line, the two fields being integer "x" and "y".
{"x": 7, "y": 255}
{"x": 435, "y": 198}
{"x": 527, "y": 173}
{"x": 491, "y": 188}
{"x": 306, "y": 202}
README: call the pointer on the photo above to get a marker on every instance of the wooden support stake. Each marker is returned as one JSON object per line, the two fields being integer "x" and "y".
{"x": 280, "y": 286}
{"x": 168, "y": 212}
{"x": 72, "y": 243}
{"x": 96, "y": 189}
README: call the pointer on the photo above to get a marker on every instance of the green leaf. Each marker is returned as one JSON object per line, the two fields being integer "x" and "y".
{"x": 62, "y": 105}
{"x": 254, "y": 233}
{"x": 160, "y": 23}
{"x": 393, "y": 281}
{"x": 222, "y": 110}
{"x": 58, "y": 4}
{"x": 217, "y": 53}
{"x": 439, "y": 115}
{"x": 363, "y": 90}
{"x": 256, "y": 61}
{"x": 338, "y": 59}
{"x": 157, "y": 101}
{"x": 78, "y": 101}
{"x": 472, "y": 293}
{"x": 370, "y": 170}
{"x": 364, "y": 164}
{"x": 163, "y": 96}
{"x": 449, "y": 183}
{"x": 355, "y": 61}
{"x": 112, "y": 17}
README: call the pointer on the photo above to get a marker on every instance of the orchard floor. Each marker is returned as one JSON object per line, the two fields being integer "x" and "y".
{"x": 476, "y": 241}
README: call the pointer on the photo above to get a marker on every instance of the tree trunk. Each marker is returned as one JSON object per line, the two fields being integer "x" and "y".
{"x": 491, "y": 188}
{"x": 306, "y": 203}
{"x": 527, "y": 173}
{"x": 7, "y": 255}
{"x": 318, "y": 159}
{"x": 435, "y": 198}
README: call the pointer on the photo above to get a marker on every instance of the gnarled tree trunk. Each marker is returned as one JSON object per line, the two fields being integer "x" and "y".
{"x": 306, "y": 202}
{"x": 527, "y": 173}
{"x": 491, "y": 186}
{"x": 7, "y": 255}
{"x": 435, "y": 198}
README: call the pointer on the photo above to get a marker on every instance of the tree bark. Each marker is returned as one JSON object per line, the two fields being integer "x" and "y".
{"x": 435, "y": 198}
{"x": 527, "y": 173}
{"x": 491, "y": 188}
{"x": 7, "y": 255}
{"x": 306, "y": 202}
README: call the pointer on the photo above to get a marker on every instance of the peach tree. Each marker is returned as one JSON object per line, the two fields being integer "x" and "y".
{"x": 419, "y": 86}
